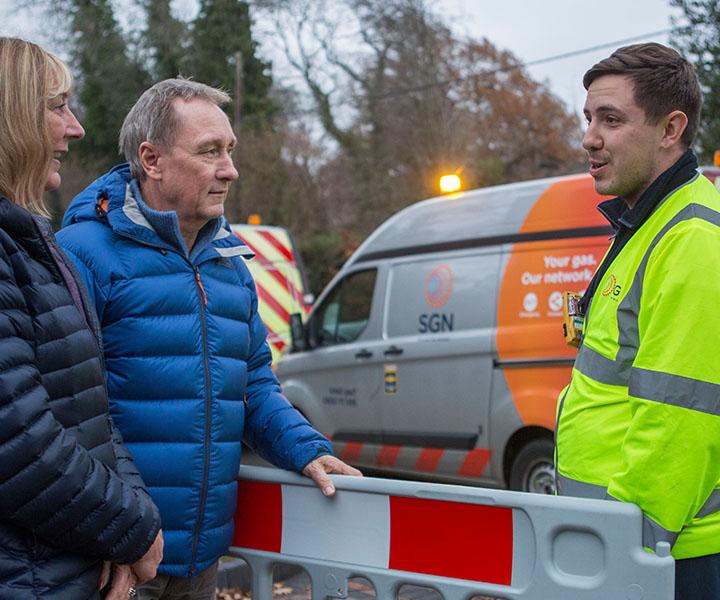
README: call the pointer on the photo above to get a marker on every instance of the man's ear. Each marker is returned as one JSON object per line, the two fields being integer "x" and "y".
{"x": 675, "y": 124}
{"x": 149, "y": 155}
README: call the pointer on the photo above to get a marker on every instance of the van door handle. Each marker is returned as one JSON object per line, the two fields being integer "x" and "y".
{"x": 363, "y": 354}
{"x": 393, "y": 351}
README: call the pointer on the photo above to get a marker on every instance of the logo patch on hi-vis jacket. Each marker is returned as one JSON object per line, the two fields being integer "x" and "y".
{"x": 612, "y": 287}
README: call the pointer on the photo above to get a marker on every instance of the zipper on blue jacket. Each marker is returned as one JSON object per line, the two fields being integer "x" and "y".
{"x": 208, "y": 393}
{"x": 202, "y": 297}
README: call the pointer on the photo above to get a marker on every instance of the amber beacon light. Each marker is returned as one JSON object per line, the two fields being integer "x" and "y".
{"x": 450, "y": 183}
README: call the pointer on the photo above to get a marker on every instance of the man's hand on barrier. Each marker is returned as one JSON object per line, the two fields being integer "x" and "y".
{"x": 319, "y": 469}
{"x": 146, "y": 568}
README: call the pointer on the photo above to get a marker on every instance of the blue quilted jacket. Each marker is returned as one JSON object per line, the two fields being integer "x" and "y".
{"x": 189, "y": 372}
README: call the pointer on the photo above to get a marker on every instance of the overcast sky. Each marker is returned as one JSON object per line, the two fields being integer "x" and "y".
{"x": 536, "y": 29}
{"x": 531, "y": 29}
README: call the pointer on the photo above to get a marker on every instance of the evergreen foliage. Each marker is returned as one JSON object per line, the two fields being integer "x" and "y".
{"x": 166, "y": 38}
{"x": 108, "y": 78}
{"x": 697, "y": 35}
{"x": 221, "y": 30}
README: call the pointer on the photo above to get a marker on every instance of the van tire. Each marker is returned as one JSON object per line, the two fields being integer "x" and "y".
{"x": 533, "y": 469}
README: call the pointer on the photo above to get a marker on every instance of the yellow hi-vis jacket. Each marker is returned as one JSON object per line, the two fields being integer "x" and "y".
{"x": 640, "y": 420}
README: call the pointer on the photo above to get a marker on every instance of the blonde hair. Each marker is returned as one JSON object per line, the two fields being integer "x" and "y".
{"x": 30, "y": 76}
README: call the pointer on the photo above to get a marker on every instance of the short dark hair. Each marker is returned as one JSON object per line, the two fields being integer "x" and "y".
{"x": 663, "y": 81}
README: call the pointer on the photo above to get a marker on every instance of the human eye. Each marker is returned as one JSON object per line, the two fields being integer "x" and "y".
{"x": 57, "y": 104}
{"x": 612, "y": 120}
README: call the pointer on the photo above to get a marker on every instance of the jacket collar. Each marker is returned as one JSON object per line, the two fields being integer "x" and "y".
{"x": 622, "y": 216}
{"x": 120, "y": 202}
{"x": 18, "y": 222}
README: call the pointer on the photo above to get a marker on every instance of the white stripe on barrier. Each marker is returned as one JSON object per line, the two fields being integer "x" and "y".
{"x": 330, "y": 528}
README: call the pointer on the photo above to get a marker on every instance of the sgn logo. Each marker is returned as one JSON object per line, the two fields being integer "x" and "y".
{"x": 612, "y": 287}
{"x": 438, "y": 289}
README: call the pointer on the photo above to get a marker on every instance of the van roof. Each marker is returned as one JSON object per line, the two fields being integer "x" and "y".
{"x": 496, "y": 213}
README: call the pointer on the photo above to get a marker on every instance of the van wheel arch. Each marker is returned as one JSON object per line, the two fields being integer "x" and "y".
{"x": 528, "y": 448}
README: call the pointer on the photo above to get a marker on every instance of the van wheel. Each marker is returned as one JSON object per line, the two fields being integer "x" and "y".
{"x": 533, "y": 469}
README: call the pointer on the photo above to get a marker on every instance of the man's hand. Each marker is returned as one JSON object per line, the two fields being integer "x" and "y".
{"x": 318, "y": 471}
{"x": 122, "y": 580}
{"x": 146, "y": 568}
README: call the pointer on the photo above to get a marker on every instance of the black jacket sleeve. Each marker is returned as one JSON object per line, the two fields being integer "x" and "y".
{"x": 50, "y": 486}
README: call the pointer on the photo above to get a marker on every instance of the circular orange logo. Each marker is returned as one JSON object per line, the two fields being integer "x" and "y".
{"x": 439, "y": 285}
{"x": 612, "y": 281}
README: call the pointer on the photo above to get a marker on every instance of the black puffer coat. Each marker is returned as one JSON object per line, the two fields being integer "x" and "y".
{"x": 69, "y": 492}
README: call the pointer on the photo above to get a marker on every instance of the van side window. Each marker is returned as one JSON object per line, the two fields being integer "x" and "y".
{"x": 344, "y": 314}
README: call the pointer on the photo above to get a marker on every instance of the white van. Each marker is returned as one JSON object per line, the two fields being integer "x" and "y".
{"x": 437, "y": 351}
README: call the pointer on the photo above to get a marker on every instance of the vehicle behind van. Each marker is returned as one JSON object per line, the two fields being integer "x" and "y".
{"x": 279, "y": 279}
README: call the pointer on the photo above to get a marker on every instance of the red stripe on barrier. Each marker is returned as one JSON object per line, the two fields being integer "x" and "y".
{"x": 387, "y": 456}
{"x": 258, "y": 518}
{"x": 278, "y": 245}
{"x": 450, "y": 539}
{"x": 352, "y": 451}
{"x": 429, "y": 459}
{"x": 273, "y": 304}
{"x": 475, "y": 462}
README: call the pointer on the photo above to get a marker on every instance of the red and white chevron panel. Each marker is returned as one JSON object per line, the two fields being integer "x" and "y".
{"x": 277, "y": 279}
{"x": 387, "y": 532}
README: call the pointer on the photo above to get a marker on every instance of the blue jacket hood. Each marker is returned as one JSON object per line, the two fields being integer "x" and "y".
{"x": 111, "y": 184}
{"x": 127, "y": 214}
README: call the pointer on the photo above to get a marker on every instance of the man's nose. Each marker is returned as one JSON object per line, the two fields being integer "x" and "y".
{"x": 73, "y": 129}
{"x": 591, "y": 140}
{"x": 227, "y": 170}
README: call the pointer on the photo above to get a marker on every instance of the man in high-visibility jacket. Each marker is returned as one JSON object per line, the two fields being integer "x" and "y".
{"x": 640, "y": 420}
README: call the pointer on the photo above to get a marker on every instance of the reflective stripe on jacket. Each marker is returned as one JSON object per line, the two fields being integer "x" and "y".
{"x": 640, "y": 420}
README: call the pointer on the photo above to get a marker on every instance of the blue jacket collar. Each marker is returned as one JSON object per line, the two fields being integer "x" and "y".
{"x": 115, "y": 198}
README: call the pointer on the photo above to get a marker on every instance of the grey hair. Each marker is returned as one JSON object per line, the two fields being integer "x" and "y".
{"x": 153, "y": 119}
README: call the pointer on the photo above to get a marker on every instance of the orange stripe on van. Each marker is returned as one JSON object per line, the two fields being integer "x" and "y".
{"x": 475, "y": 462}
{"x": 529, "y": 322}
{"x": 387, "y": 456}
{"x": 429, "y": 459}
{"x": 351, "y": 451}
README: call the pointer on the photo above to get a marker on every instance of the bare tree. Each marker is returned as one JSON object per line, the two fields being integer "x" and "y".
{"x": 404, "y": 99}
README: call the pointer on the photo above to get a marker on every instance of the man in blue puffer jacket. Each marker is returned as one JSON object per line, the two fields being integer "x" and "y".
{"x": 189, "y": 372}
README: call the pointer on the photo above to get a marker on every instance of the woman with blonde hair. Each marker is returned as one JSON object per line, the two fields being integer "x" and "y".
{"x": 70, "y": 496}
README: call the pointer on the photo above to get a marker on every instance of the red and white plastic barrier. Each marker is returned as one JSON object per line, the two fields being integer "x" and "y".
{"x": 455, "y": 539}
